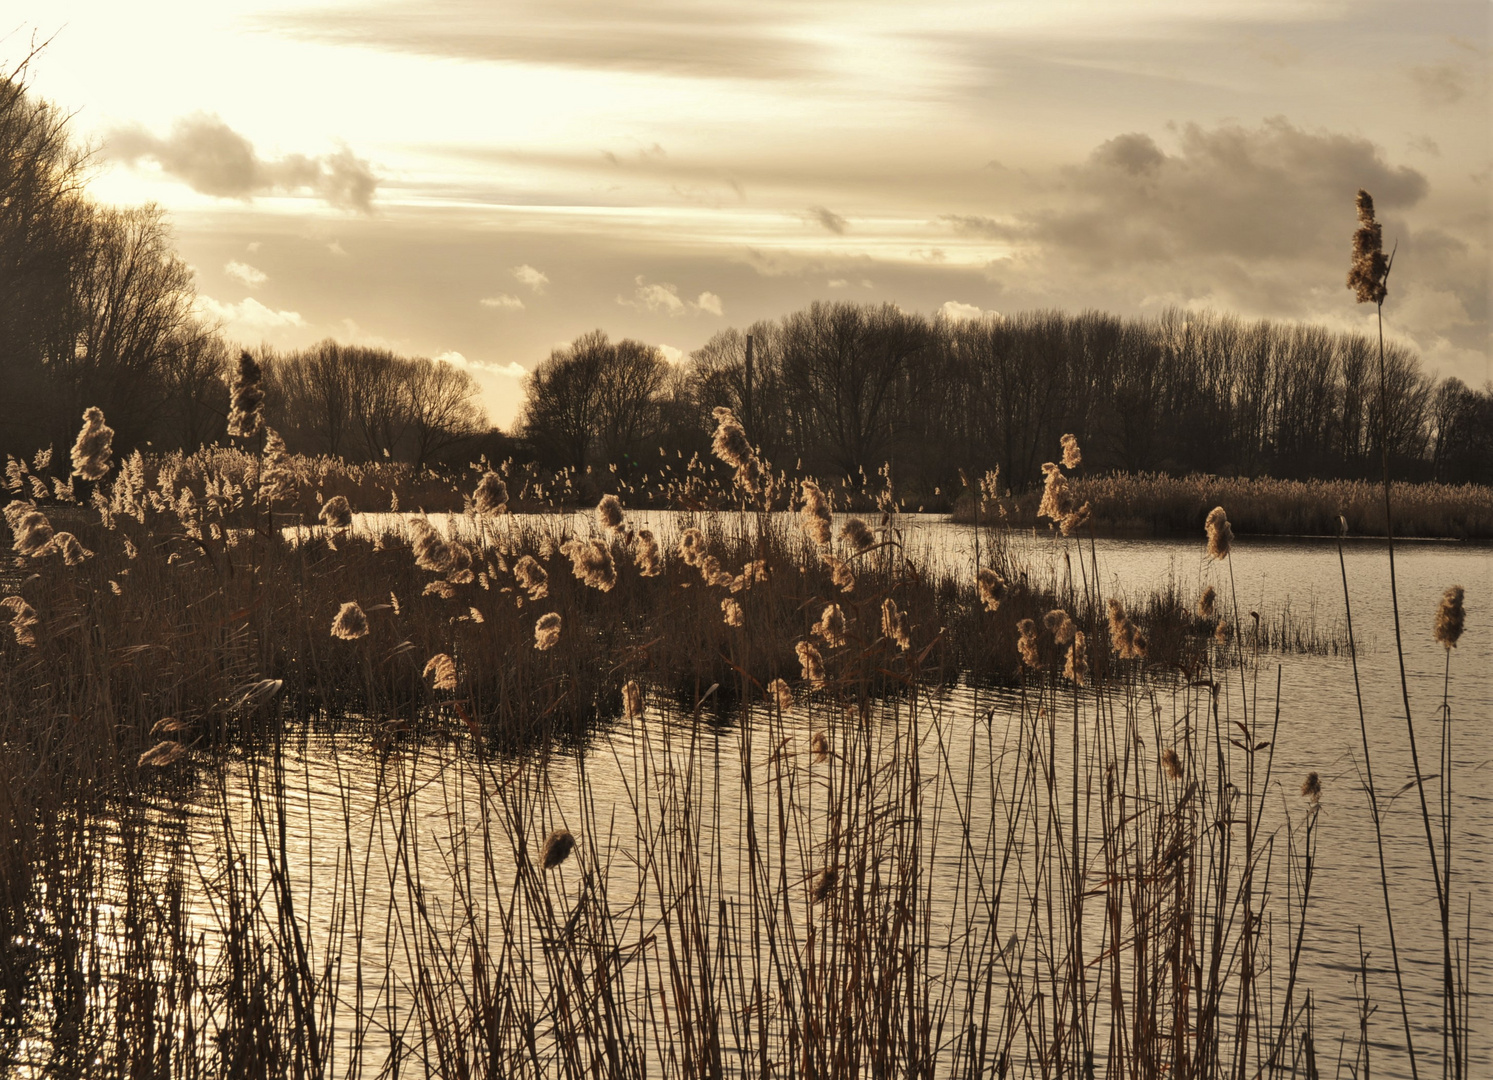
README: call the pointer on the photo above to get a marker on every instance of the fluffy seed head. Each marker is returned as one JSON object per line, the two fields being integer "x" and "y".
{"x": 67, "y": 545}
{"x": 23, "y": 620}
{"x": 1057, "y": 500}
{"x": 609, "y": 513}
{"x": 732, "y": 446}
{"x": 992, "y": 588}
{"x": 894, "y": 624}
{"x": 557, "y": 848}
{"x": 547, "y": 631}
{"x": 858, "y": 534}
{"x": 336, "y": 513}
{"x": 831, "y": 626}
{"x": 491, "y": 496}
{"x": 1450, "y": 617}
{"x": 1026, "y": 643}
{"x": 815, "y": 513}
{"x": 1121, "y": 630}
{"x": 591, "y": 562}
{"x": 731, "y": 613}
{"x": 245, "y": 398}
{"x": 811, "y": 662}
{"x": 1074, "y": 520}
{"x": 350, "y": 623}
{"x": 1063, "y": 628}
{"x": 1369, "y": 267}
{"x": 692, "y": 546}
{"x": 1220, "y": 533}
{"x": 1072, "y": 455}
{"x": 646, "y": 556}
{"x": 532, "y": 577}
{"x": 432, "y": 552}
{"x": 1311, "y": 788}
{"x": 276, "y": 477}
{"x": 440, "y": 669}
{"x": 1077, "y": 667}
{"x": 161, "y": 754}
{"x": 30, "y": 527}
{"x": 632, "y": 699}
{"x": 780, "y": 692}
{"x": 840, "y": 573}
{"x": 1172, "y": 763}
{"x": 819, "y": 746}
{"x": 824, "y": 883}
{"x": 1206, "y": 603}
{"x": 95, "y": 444}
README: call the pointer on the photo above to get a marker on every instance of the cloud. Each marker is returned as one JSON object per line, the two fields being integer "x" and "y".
{"x": 247, "y": 314}
{"x": 245, "y": 274}
{"x": 738, "y": 41}
{"x": 503, "y": 302}
{"x": 837, "y": 283}
{"x": 534, "y": 279}
{"x": 1439, "y": 84}
{"x": 513, "y": 370}
{"x": 954, "y": 311}
{"x": 664, "y": 297}
{"x": 829, "y": 219}
{"x": 210, "y": 157}
{"x": 672, "y": 355}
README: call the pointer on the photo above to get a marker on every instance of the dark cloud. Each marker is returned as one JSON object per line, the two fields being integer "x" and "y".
{"x": 209, "y": 156}
{"x": 829, "y": 219}
{"x": 1440, "y": 84}
{"x": 655, "y": 37}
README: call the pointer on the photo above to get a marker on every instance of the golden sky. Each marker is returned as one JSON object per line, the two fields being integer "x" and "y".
{"x": 485, "y": 180}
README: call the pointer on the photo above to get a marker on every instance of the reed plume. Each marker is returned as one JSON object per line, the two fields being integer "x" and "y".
{"x": 161, "y": 754}
{"x": 459, "y": 572}
{"x": 1075, "y": 520}
{"x": 1063, "y": 628}
{"x": 444, "y": 589}
{"x": 731, "y": 613}
{"x": 1223, "y": 632}
{"x": 1206, "y": 603}
{"x": 557, "y": 848}
{"x": 276, "y": 478}
{"x": 992, "y": 588}
{"x": 894, "y": 624}
{"x": 825, "y": 883}
{"x": 731, "y": 445}
{"x": 245, "y": 398}
{"x": 1121, "y": 630}
{"x": 532, "y": 577}
{"x": 491, "y": 496}
{"x": 1172, "y": 763}
{"x": 811, "y": 662}
{"x": 831, "y": 626}
{"x": 1311, "y": 788}
{"x": 30, "y": 528}
{"x": 23, "y": 620}
{"x": 753, "y": 572}
{"x": 1450, "y": 617}
{"x": 815, "y": 514}
{"x": 95, "y": 444}
{"x": 432, "y": 552}
{"x": 780, "y": 692}
{"x": 1220, "y": 533}
{"x": 1026, "y": 643}
{"x": 692, "y": 546}
{"x": 591, "y": 562}
{"x": 819, "y": 746}
{"x": 1057, "y": 500}
{"x": 1369, "y": 269}
{"x": 632, "y": 699}
{"x": 440, "y": 669}
{"x": 840, "y": 573}
{"x": 351, "y": 623}
{"x": 1072, "y": 455}
{"x": 609, "y": 513}
{"x": 1077, "y": 667}
{"x": 858, "y": 534}
{"x": 646, "y": 555}
{"x": 547, "y": 631}
{"x": 336, "y": 513}
{"x": 66, "y": 544}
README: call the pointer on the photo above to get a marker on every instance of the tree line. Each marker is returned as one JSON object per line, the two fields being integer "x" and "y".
{"x": 97, "y": 308}
{"x": 839, "y": 389}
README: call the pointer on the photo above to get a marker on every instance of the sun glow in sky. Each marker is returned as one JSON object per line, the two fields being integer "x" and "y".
{"x": 483, "y": 181}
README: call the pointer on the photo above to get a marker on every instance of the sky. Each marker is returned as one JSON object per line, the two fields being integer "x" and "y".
{"x": 485, "y": 180}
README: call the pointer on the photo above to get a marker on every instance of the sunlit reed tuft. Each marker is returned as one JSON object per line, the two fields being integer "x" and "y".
{"x": 95, "y": 444}
{"x": 336, "y": 513}
{"x": 815, "y": 514}
{"x": 351, "y": 623}
{"x": 609, "y": 513}
{"x": 532, "y": 577}
{"x": 632, "y": 699}
{"x": 440, "y": 669}
{"x": 432, "y": 551}
{"x": 1220, "y": 533}
{"x": 276, "y": 478}
{"x": 894, "y": 624}
{"x": 29, "y": 526}
{"x": 1063, "y": 628}
{"x": 547, "y": 631}
{"x": 781, "y": 693}
{"x": 1206, "y": 603}
{"x": 1072, "y": 455}
{"x": 992, "y": 588}
{"x": 161, "y": 754}
{"x": 491, "y": 496}
{"x": 1369, "y": 267}
{"x": 646, "y": 555}
{"x": 811, "y": 662}
{"x": 1026, "y": 643}
{"x": 840, "y": 573}
{"x": 66, "y": 544}
{"x": 692, "y": 547}
{"x": 1121, "y": 630}
{"x": 824, "y": 883}
{"x": 1450, "y": 617}
{"x": 23, "y": 620}
{"x": 1171, "y": 763}
{"x": 591, "y": 562}
{"x": 831, "y": 626}
{"x": 732, "y": 446}
{"x": 819, "y": 746}
{"x": 731, "y": 613}
{"x": 1311, "y": 788}
{"x": 858, "y": 534}
{"x": 246, "y": 398}
{"x": 1057, "y": 499}
{"x": 1077, "y": 667}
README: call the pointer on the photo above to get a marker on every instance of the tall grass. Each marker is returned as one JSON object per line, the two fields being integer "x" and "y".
{"x": 933, "y": 859}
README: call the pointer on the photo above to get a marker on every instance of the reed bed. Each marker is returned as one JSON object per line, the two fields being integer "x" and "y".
{"x": 318, "y": 803}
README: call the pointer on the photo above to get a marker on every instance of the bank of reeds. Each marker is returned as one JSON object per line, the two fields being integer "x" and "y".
{"x": 824, "y": 892}
{"x": 1154, "y": 504}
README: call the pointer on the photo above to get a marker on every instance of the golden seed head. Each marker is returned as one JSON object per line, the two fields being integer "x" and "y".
{"x": 557, "y": 848}
{"x": 1220, "y": 533}
{"x": 1450, "y": 617}
{"x": 95, "y": 444}
{"x": 547, "y": 631}
{"x": 491, "y": 496}
{"x": 351, "y": 623}
{"x": 440, "y": 669}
